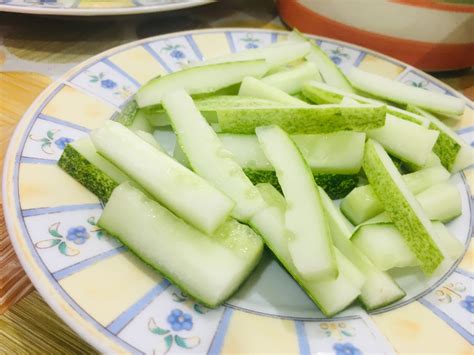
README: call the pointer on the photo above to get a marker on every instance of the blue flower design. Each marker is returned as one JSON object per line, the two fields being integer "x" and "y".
{"x": 78, "y": 235}
{"x": 346, "y": 349}
{"x": 468, "y": 303}
{"x": 337, "y": 60}
{"x": 180, "y": 320}
{"x": 62, "y": 142}
{"x": 177, "y": 54}
{"x": 251, "y": 45}
{"x": 108, "y": 84}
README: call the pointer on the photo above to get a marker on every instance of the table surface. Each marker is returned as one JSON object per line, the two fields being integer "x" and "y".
{"x": 35, "y": 50}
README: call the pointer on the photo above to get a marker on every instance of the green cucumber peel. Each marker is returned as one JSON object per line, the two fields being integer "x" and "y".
{"x": 401, "y": 206}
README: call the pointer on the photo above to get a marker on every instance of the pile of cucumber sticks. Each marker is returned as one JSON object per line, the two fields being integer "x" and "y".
{"x": 266, "y": 140}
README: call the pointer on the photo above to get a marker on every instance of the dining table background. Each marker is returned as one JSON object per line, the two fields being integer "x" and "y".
{"x": 36, "y": 50}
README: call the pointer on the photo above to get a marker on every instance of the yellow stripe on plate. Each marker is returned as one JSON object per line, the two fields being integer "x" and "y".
{"x": 77, "y": 107}
{"x": 252, "y": 334}
{"x": 109, "y": 287}
{"x": 42, "y": 186}
{"x": 138, "y": 63}
{"x": 415, "y": 329}
{"x": 212, "y": 45}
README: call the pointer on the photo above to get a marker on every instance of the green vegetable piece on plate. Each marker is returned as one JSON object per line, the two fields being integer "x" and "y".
{"x": 401, "y": 206}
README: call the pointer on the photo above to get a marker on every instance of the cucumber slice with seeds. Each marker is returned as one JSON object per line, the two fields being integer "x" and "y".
{"x": 199, "y": 80}
{"x": 185, "y": 193}
{"x": 303, "y": 120}
{"x": 398, "y": 92}
{"x": 208, "y": 157}
{"x": 309, "y": 240}
{"x": 362, "y": 204}
{"x": 330, "y": 296}
{"x": 255, "y": 88}
{"x": 190, "y": 259}
{"x": 291, "y": 81}
{"x": 401, "y": 206}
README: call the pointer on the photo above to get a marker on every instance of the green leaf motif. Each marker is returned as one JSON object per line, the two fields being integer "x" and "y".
{"x": 200, "y": 309}
{"x": 46, "y": 147}
{"x": 53, "y": 230}
{"x": 155, "y": 329}
{"x": 50, "y": 134}
{"x": 48, "y": 243}
{"x": 346, "y": 333}
{"x": 187, "y": 343}
{"x": 91, "y": 221}
{"x": 179, "y": 297}
{"x": 67, "y": 250}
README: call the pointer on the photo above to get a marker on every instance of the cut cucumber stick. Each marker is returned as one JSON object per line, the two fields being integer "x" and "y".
{"x": 398, "y": 92}
{"x": 256, "y": 88}
{"x": 309, "y": 239}
{"x": 303, "y": 120}
{"x": 379, "y": 289}
{"x": 401, "y": 206}
{"x": 182, "y": 191}
{"x": 275, "y": 55}
{"x": 208, "y": 157}
{"x": 387, "y": 249}
{"x": 330, "y": 296}
{"x": 362, "y": 204}
{"x": 455, "y": 153}
{"x": 333, "y": 153}
{"x": 199, "y": 80}
{"x": 291, "y": 81}
{"x": 403, "y": 139}
{"x": 81, "y": 161}
{"x": 207, "y": 267}
{"x": 330, "y": 72}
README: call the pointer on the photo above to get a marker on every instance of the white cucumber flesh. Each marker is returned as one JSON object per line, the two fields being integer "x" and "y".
{"x": 441, "y": 202}
{"x": 150, "y": 139}
{"x": 86, "y": 148}
{"x": 256, "y": 88}
{"x": 207, "y": 267}
{"x": 361, "y": 204}
{"x": 291, "y": 81}
{"x": 141, "y": 123}
{"x": 199, "y": 80}
{"x": 401, "y": 206}
{"x": 384, "y": 246}
{"x": 309, "y": 239}
{"x": 208, "y": 157}
{"x": 451, "y": 247}
{"x": 405, "y": 140}
{"x": 330, "y": 72}
{"x": 331, "y": 296}
{"x": 405, "y": 94}
{"x": 275, "y": 55}
{"x": 179, "y": 189}
{"x": 379, "y": 289}
{"x": 332, "y": 153}
{"x": 454, "y": 152}
{"x": 311, "y": 119}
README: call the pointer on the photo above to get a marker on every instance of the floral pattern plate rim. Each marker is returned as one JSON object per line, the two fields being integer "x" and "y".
{"x": 96, "y": 7}
{"x": 119, "y": 305}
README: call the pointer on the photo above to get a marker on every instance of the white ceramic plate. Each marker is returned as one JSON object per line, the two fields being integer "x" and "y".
{"x": 118, "y": 304}
{"x": 96, "y": 7}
